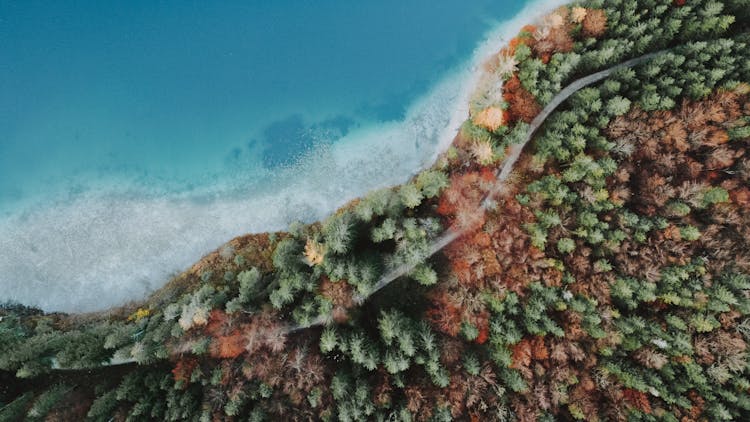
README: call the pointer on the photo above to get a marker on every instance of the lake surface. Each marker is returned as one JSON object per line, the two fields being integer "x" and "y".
{"x": 137, "y": 136}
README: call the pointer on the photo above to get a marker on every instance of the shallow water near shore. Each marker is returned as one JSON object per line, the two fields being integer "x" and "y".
{"x": 134, "y": 141}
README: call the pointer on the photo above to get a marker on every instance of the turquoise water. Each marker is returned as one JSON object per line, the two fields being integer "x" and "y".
{"x": 184, "y": 93}
{"x": 137, "y": 136}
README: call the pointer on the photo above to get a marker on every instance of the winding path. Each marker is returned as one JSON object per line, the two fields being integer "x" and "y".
{"x": 502, "y": 175}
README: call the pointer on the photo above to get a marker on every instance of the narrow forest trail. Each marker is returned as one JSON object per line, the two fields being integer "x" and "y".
{"x": 501, "y": 175}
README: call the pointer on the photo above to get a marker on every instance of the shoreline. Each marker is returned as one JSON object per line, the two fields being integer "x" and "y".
{"x": 572, "y": 254}
{"x": 122, "y": 224}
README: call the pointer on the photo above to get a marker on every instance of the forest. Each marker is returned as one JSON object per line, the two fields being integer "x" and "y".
{"x": 603, "y": 276}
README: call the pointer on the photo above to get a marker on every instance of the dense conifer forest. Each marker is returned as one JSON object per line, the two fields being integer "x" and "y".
{"x": 603, "y": 276}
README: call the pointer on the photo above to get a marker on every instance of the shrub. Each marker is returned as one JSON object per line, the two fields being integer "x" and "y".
{"x": 431, "y": 182}
{"x": 411, "y": 196}
{"x": 594, "y": 24}
{"x": 566, "y": 245}
{"x": 715, "y": 195}
{"x": 424, "y": 275}
{"x": 618, "y": 106}
{"x": 337, "y": 232}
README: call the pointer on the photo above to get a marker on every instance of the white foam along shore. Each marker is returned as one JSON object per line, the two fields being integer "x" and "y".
{"x": 102, "y": 249}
